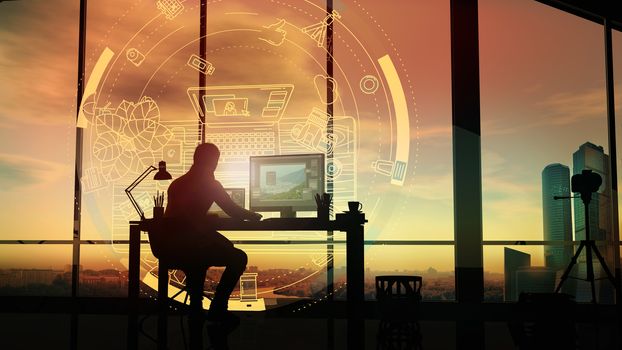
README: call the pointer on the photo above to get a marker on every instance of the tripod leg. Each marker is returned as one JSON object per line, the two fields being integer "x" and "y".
{"x": 573, "y": 261}
{"x": 590, "y": 269}
{"x": 603, "y": 263}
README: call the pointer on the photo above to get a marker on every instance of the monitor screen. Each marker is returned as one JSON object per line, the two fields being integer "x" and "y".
{"x": 286, "y": 182}
{"x": 236, "y": 194}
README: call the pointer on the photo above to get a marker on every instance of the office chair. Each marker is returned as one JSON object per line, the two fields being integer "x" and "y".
{"x": 171, "y": 257}
{"x": 398, "y": 300}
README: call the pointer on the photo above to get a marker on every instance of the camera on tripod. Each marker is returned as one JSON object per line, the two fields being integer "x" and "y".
{"x": 586, "y": 183}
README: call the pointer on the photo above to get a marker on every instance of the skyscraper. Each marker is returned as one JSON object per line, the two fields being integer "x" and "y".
{"x": 557, "y": 218}
{"x": 592, "y": 157}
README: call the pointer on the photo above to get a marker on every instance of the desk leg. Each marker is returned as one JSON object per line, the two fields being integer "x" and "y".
{"x": 356, "y": 286}
{"x": 133, "y": 283}
{"x": 355, "y": 269}
{"x": 162, "y": 305}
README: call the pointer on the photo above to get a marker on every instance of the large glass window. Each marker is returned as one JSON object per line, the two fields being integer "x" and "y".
{"x": 391, "y": 146}
{"x": 543, "y": 120}
{"x": 38, "y": 59}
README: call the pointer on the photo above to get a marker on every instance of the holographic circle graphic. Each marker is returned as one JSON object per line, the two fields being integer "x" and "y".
{"x": 333, "y": 168}
{"x": 369, "y": 84}
{"x": 254, "y": 54}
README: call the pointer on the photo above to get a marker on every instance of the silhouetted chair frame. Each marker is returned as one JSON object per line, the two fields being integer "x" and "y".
{"x": 162, "y": 242}
{"x": 170, "y": 258}
{"x": 398, "y": 299}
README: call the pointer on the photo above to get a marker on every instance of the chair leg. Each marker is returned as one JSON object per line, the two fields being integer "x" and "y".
{"x": 194, "y": 283}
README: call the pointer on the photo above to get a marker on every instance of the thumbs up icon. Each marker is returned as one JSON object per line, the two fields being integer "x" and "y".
{"x": 274, "y": 34}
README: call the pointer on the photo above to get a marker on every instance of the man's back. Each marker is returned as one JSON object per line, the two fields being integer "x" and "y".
{"x": 191, "y": 195}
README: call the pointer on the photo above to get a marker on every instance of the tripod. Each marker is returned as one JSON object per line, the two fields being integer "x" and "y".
{"x": 590, "y": 247}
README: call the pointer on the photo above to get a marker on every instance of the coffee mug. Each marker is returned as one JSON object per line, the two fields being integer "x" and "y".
{"x": 355, "y": 206}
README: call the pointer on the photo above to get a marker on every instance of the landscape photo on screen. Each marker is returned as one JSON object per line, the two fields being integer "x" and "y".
{"x": 283, "y": 181}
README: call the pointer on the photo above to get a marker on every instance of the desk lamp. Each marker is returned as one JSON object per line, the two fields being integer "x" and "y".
{"x": 162, "y": 174}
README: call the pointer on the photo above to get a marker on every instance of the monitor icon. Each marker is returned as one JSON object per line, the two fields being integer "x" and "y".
{"x": 230, "y": 107}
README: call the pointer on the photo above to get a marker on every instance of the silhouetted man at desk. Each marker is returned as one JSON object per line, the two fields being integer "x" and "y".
{"x": 189, "y": 198}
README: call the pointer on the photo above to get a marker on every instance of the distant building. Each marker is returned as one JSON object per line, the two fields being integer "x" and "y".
{"x": 556, "y": 215}
{"x": 512, "y": 261}
{"x": 592, "y": 157}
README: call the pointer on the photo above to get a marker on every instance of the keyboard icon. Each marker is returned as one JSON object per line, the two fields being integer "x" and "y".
{"x": 239, "y": 146}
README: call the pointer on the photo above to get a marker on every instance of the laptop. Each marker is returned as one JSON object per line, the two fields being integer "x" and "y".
{"x": 238, "y": 197}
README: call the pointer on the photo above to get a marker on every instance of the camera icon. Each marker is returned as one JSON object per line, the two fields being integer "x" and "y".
{"x": 134, "y": 56}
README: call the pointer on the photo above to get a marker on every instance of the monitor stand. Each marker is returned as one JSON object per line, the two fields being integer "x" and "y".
{"x": 288, "y": 213}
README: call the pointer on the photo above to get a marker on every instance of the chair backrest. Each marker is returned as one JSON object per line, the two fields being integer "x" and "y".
{"x": 171, "y": 240}
{"x": 398, "y": 288}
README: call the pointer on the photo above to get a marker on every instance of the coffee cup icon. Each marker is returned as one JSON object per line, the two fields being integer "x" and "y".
{"x": 355, "y": 207}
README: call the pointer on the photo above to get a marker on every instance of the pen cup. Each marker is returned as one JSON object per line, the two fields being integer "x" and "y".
{"x": 322, "y": 212}
{"x": 158, "y": 212}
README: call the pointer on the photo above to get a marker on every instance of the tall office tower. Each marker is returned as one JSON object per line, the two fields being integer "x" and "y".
{"x": 512, "y": 261}
{"x": 592, "y": 157}
{"x": 556, "y": 214}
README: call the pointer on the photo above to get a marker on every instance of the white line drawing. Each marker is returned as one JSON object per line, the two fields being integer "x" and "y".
{"x": 126, "y": 137}
{"x": 93, "y": 180}
{"x": 397, "y": 168}
{"x": 87, "y": 105}
{"x": 369, "y": 84}
{"x": 274, "y": 33}
{"x": 135, "y": 56}
{"x": 321, "y": 83}
{"x": 317, "y": 31}
{"x": 170, "y": 8}
{"x": 242, "y": 120}
{"x": 200, "y": 65}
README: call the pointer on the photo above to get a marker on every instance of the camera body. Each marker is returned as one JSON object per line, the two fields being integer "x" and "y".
{"x": 586, "y": 183}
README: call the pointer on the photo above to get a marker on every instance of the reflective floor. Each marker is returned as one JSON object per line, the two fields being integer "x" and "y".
{"x": 256, "y": 331}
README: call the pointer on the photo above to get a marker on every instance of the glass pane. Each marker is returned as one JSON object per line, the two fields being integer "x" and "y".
{"x": 397, "y": 87}
{"x": 37, "y": 118}
{"x": 41, "y": 270}
{"x": 265, "y": 94}
{"x": 435, "y": 264}
{"x": 543, "y": 120}
{"x": 101, "y": 274}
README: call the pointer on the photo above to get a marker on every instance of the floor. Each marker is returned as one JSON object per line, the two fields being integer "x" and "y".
{"x": 99, "y": 331}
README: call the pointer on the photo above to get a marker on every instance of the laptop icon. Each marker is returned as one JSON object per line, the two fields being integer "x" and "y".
{"x": 242, "y": 120}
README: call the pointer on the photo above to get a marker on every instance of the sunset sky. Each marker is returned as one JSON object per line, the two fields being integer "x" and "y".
{"x": 542, "y": 96}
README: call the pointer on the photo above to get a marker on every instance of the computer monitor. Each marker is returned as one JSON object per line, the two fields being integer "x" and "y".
{"x": 236, "y": 194}
{"x": 286, "y": 183}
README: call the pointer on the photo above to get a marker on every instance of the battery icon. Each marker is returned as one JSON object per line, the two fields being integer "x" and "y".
{"x": 201, "y": 65}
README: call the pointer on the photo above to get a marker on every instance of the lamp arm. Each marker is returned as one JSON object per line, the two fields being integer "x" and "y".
{"x": 133, "y": 185}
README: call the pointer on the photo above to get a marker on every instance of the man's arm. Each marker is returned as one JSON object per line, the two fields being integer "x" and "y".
{"x": 230, "y": 207}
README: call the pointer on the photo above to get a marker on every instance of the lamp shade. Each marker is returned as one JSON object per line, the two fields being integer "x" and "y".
{"x": 162, "y": 174}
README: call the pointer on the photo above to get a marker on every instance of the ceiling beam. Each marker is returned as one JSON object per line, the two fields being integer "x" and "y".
{"x": 593, "y": 10}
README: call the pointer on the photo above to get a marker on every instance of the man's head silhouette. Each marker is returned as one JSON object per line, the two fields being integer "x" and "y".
{"x": 206, "y": 157}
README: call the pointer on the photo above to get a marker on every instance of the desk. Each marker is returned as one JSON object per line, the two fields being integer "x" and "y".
{"x": 351, "y": 223}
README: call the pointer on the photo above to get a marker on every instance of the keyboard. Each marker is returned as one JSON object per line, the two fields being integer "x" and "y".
{"x": 238, "y": 146}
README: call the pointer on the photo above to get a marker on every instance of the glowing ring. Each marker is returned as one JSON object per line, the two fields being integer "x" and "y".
{"x": 369, "y": 84}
